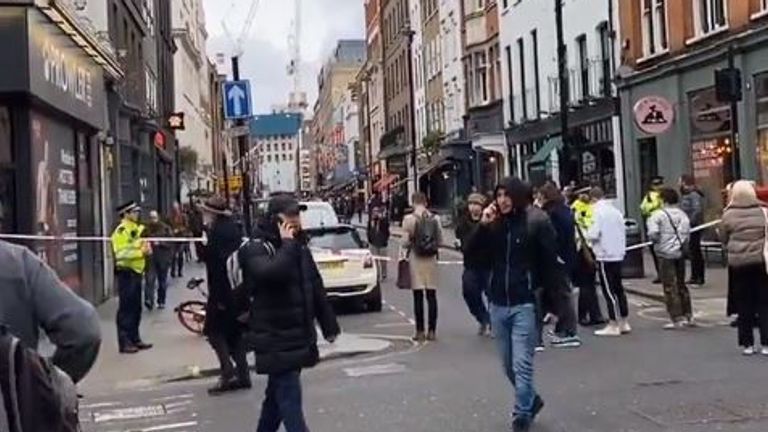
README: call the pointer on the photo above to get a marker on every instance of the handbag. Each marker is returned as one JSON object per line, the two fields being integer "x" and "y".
{"x": 585, "y": 250}
{"x": 685, "y": 249}
{"x": 403, "y": 274}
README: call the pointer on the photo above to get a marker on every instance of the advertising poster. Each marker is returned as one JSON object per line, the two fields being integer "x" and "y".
{"x": 55, "y": 184}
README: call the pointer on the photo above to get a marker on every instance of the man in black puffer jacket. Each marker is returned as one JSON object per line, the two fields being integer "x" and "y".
{"x": 287, "y": 297}
{"x": 522, "y": 244}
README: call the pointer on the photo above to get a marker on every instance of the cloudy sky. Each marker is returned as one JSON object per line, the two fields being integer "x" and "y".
{"x": 267, "y": 54}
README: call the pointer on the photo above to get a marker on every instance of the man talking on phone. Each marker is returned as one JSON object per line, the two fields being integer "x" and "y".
{"x": 521, "y": 244}
{"x": 287, "y": 297}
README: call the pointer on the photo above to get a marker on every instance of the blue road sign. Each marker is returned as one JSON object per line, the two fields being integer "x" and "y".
{"x": 237, "y": 99}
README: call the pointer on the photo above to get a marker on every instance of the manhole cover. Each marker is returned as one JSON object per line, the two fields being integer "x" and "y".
{"x": 132, "y": 413}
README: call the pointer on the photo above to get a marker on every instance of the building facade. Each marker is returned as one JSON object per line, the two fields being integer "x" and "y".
{"x": 484, "y": 100}
{"x": 339, "y": 71}
{"x": 54, "y": 126}
{"x": 193, "y": 97}
{"x": 531, "y": 90}
{"x": 371, "y": 84}
{"x": 276, "y": 140}
{"x": 454, "y": 105}
{"x": 397, "y": 140}
{"x": 670, "y": 54}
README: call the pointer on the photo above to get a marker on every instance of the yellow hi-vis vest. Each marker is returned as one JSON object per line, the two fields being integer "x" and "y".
{"x": 127, "y": 245}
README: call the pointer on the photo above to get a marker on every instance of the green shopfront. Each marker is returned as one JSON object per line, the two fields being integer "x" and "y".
{"x": 52, "y": 111}
{"x": 699, "y": 138}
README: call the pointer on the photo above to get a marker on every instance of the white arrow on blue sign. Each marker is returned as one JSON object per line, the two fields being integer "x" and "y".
{"x": 237, "y": 99}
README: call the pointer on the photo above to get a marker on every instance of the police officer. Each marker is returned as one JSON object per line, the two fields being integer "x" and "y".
{"x": 131, "y": 252}
{"x": 651, "y": 203}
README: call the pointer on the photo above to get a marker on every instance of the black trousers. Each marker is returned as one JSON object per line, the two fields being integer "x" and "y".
{"x": 696, "y": 257}
{"x": 229, "y": 348}
{"x": 615, "y": 297}
{"x": 129, "y": 307}
{"x": 750, "y": 284}
{"x": 418, "y": 309}
{"x": 584, "y": 279}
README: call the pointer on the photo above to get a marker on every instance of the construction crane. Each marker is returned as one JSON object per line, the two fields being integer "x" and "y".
{"x": 297, "y": 98}
{"x": 239, "y": 41}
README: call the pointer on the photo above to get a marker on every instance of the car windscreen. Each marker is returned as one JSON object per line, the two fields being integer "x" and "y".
{"x": 335, "y": 239}
{"x": 318, "y": 216}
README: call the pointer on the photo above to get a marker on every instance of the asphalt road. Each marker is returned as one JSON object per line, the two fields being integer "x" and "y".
{"x": 649, "y": 381}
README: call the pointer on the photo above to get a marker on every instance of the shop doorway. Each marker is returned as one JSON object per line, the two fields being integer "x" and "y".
{"x": 649, "y": 162}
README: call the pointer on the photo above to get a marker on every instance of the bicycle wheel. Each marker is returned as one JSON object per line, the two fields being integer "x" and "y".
{"x": 191, "y": 315}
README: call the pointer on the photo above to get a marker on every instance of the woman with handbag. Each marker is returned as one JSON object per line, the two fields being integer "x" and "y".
{"x": 744, "y": 230}
{"x": 669, "y": 229}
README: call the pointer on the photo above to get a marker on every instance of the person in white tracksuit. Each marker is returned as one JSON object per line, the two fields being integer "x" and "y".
{"x": 607, "y": 234}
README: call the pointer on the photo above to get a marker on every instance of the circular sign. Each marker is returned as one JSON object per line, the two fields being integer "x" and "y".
{"x": 654, "y": 114}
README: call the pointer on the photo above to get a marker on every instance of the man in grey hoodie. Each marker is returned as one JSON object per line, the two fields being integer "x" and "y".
{"x": 32, "y": 297}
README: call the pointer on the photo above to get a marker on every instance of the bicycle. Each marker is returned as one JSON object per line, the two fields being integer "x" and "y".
{"x": 191, "y": 314}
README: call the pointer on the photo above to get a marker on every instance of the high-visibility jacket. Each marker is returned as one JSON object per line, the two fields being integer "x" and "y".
{"x": 583, "y": 213}
{"x": 128, "y": 246}
{"x": 651, "y": 203}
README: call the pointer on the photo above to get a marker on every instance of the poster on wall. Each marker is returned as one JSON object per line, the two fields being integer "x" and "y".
{"x": 55, "y": 184}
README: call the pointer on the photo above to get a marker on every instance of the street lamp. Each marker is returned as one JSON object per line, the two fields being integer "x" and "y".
{"x": 409, "y": 34}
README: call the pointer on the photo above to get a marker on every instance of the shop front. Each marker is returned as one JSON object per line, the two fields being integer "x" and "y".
{"x": 52, "y": 111}
{"x": 698, "y": 137}
{"x": 485, "y": 132}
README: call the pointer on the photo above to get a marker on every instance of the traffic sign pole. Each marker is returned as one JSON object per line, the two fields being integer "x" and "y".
{"x": 242, "y": 148}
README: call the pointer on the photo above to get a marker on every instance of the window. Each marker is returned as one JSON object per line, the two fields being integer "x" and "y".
{"x": 285, "y": 157}
{"x": 521, "y": 62}
{"x": 709, "y": 16}
{"x": 654, "y": 26}
{"x": 510, "y": 82}
{"x": 269, "y": 147}
{"x": 481, "y": 78}
{"x": 269, "y": 158}
{"x": 536, "y": 82}
{"x": 581, "y": 44}
{"x": 763, "y": 5}
{"x": 605, "y": 59}
{"x": 282, "y": 146}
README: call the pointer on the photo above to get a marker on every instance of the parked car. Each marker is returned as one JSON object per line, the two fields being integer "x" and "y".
{"x": 346, "y": 265}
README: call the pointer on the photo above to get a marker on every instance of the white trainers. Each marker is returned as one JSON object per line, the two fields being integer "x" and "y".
{"x": 748, "y": 351}
{"x": 611, "y": 330}
{"x": 672, "y": 325}
{"x": 764, "y": 351}
{"x": 624, "y": 326}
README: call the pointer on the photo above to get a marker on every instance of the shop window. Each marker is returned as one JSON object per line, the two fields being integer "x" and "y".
{"x": 6, "y": 138}
{"x": 761, "y": 96}
{"x": 711, "y": 150}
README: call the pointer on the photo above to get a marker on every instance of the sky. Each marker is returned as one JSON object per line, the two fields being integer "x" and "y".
{"x": 266, "y": 50}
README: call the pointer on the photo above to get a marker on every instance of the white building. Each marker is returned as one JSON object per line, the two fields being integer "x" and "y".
{"x": 191, "y": 81}
{"x": 351, "y": 124}
{"x": 277, "y": 139}
{"x": 419, "y": 75}
{"x": 453, "y": 69}
{"x": 532, "y": 91}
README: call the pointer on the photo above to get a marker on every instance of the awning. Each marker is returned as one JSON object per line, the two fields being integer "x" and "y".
{"x": 436, "y": 165}
{"x": 545, "y": 152}
{"x": 385, "y": 181}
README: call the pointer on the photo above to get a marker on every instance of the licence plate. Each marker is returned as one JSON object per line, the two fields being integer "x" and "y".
{"x": 335, "y": 265}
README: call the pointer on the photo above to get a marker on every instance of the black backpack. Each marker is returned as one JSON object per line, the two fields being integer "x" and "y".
{"x": 37, "y": 396}
{"x": 426, "y": 236}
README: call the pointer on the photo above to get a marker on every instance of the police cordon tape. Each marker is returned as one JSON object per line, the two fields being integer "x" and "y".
{"x": 203, "y": 239}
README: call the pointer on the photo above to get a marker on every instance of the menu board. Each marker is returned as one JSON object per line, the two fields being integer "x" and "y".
{"x": 56, "y": 200}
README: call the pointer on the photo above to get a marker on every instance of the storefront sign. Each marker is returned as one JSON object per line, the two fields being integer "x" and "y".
{"x": 654, "y": 114}
{"x": 160, "y": 140}
{"x": 63, "y": 74}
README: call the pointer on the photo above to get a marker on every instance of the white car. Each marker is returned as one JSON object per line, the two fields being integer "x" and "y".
{"x": 346, "y": 265}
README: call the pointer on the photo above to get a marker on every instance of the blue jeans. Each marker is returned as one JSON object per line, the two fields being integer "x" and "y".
{"x": 516, "y": 335}
{"x": 474, "y": 284}
{"x": 282, "y": 404}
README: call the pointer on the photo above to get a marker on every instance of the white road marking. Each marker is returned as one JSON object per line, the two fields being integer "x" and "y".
{"x": 397, "y": 324}
{"x": 169, "y": 426}
{"x": 381, "y": 369}
{"x": 178, "y": 404}
{"x": 169, "y": 398}
{"x": 132, "y": 413}
{"x": 100, "y": 405}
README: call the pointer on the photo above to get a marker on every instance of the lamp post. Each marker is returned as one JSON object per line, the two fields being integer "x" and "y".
{"x": 409, "y": 34}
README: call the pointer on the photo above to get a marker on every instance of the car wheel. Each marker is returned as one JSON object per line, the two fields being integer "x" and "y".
{"x": 374, "y": 302}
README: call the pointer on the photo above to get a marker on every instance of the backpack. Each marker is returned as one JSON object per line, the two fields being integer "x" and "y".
{"x": 426, "y": 236}
{"x": 37, "y": 396}
{"x": 240, "y": 293}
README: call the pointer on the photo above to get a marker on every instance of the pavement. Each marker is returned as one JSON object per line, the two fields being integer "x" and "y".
{"x": 652, "y": 380}
{"x": 179, "y": 354}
